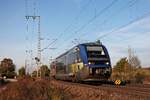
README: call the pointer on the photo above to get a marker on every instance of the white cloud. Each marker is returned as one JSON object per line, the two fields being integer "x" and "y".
{"x": 135, "y": 35}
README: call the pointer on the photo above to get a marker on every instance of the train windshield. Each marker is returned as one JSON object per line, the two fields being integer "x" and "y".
{"x": 96, "y": 54}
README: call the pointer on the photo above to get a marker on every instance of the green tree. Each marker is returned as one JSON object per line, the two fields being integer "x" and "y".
{"x": 121, "y": 65}
{"x": 22, "y": 72}
{"x": 128, "y": 70}
{"x": 44, "y": 70}
{"x": 7, "y": 68}
{"x": 121, "y": 68}
{"x": 34, "y": 74}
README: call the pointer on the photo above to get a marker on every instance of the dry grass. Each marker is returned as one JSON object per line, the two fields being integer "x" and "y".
{"x": 30, "y": 89}
{"x": 137, "y": 76}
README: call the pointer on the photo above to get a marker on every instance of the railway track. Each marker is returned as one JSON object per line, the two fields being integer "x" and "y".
{"x": 127, "y": 90}
{"x": 135, "y": 90}
{"x": 141, "y": 92}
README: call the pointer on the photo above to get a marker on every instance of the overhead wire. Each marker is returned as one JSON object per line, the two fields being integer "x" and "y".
{"x": 49, "y": 44}
{"x": 131, "y": 13}
{"x": 76, "y": 18}
{"x": 121, "y": 27}
{"x": 93, "y": 18}
{"x": 137, "y": 34}
{"x": 134, "y": 36}
{"x": 131, "y": 3}
{"x": 125, "y": 25}
{"x": 72, "y": 22}
{"x": 96, "y": 16}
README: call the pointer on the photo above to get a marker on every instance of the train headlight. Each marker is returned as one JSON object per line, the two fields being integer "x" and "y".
{"x": 89, "y": 63}
{"x": 107, "y": 63}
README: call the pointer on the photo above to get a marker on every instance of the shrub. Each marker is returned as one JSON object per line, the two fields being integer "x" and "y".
{"x": 30, "y": 89}
{"x": 139, "y": 77}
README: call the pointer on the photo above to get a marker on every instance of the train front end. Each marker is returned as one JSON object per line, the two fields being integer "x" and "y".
{"x": 96, "y": 60}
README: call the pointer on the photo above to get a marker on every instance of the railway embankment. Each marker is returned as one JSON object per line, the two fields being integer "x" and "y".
{"x": 78, "y": 91}
{"x": 41, "y": 89}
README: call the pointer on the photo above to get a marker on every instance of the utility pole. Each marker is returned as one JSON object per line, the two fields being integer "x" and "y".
{"x": 38, "y": 58}
{"x": 35, "y": 18}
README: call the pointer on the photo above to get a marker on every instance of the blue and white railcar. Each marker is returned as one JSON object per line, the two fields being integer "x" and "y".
{"x": 87, "y": 61}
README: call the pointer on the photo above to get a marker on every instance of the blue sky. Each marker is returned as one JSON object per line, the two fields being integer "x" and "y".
{"x": 67, "y": 20}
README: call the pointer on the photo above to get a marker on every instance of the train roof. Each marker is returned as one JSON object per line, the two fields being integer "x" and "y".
{"x": 97, "y": 43}
{"x": 91, "y": 44}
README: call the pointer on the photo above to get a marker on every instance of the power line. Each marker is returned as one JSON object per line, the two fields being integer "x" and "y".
{"x": 96, "y": 16}
{"x": 134, "y": 36}
{"x": 49, "y": 45}
{"x": 125, "y": 25}
{"x": 93, "y": 18}
{"x": 76, "y": 18}
{"x": 72, "y": 22}
{"x": 131, "y": 3}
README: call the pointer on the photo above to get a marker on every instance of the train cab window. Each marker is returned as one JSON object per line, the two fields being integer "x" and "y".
{"x": 95, "y": 51}
{"x": 97, "y": 55}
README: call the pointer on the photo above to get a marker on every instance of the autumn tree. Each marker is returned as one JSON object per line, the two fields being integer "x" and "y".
{"x": 34, "y": 74}
{"x": 129, "y": 69}
{"x": 135, "y": 67}
{"x": 121, "y": 68}
{"x": 45, "y": 71}
{"x": 7, "y": 68}
{"x": 133, "y": 59}
{"x": 22, "y": 72}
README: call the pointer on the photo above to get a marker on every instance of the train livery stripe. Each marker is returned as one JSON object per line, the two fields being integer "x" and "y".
{"x": 83, "y": 53}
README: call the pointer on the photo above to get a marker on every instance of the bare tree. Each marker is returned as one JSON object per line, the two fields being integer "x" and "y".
{"x": 133, "y": 59}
